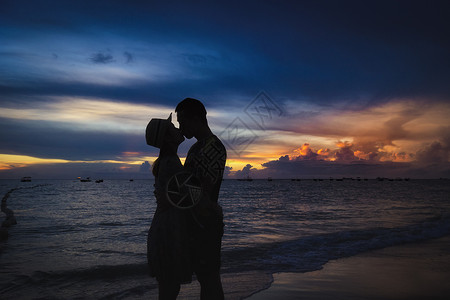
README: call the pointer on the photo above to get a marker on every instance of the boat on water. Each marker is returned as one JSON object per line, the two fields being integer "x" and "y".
{"x": 87, "y": 179}
{"x": 248, "y": 178}
{"x": 99, "y": 180}
{"x": 26, "y": 179}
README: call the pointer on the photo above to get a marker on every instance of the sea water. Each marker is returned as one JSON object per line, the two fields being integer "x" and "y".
{"x": 88, "y": 240}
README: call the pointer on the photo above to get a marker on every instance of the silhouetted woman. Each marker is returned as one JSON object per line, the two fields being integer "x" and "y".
{"x": 167, "y": 244}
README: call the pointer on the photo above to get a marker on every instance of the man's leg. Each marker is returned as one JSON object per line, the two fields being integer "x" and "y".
{"x": 205, "y": 249}
{"x": 207, "y": 266}
{"x": 211, "y": 286}
{"x": 168, "y": 290}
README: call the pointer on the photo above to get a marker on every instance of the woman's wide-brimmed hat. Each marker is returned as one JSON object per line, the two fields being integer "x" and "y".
{"x": 156, "y": 129}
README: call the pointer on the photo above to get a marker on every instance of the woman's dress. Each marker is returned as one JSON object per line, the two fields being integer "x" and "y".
{"x": 168, "y": 252}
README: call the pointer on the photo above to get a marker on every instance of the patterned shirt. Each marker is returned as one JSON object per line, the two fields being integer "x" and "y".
{"x": 206, "y": 160}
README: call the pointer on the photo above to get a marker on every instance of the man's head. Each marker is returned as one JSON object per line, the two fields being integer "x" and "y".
{"x": 191, "y": 115}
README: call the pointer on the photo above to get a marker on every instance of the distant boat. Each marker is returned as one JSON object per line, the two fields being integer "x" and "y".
{"x": 99, "y": 180}
{"x": 269, "y": 179}
{"x": 87, "y": 179}
{"x": 248, "y": 178}
{"x": 131, "y": 179}
{"x": 26, "y": 179}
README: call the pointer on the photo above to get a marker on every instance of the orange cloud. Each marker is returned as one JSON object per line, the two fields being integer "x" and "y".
{"x": 344, "y": 144}
{"x": 129, "y": 153}
{"x": 305, "y": 153}
{"x": 365, "y": 155}
{"x": 398, "y": 157}
{"x": 324, "y": 152}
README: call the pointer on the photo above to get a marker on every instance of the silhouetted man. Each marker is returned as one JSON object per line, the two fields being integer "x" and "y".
{"x": 206, "y": 160}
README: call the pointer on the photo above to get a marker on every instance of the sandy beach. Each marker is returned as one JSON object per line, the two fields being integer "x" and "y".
{"x": 410, "y": 271}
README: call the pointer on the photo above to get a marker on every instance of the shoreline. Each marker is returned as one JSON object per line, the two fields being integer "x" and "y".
{"x": 236, "y": 286}
{"x": 409, "y": 271}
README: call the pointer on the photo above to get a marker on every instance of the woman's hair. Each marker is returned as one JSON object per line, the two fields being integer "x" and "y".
{"x": 155, "y": 167}
{"x": 192, "y": 107}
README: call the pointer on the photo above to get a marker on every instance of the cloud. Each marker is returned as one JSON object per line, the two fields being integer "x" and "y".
{"x": 57, "y": 140}
{"x": 197, "y": 60}
{"x": 283, "y": 168}
{"x": 227, "y": 171}
{"x": 128, "y": 57}
{"x": 431, "y": 161}
{"x": 436, "y": 152}
{"x": 245, "y": 172}
{"x": 86, "y": 113}
{"x": 102, "y": 58}
{"x": 145, "y": 167}
{"x": 345, "y": 152}
{"x": 306, "y": 153}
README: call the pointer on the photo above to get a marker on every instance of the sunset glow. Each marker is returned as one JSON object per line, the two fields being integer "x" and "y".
{"x": 78, "y": 92}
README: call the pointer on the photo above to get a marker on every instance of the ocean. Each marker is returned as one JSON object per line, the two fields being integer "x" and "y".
{"x": 87, "y": 240}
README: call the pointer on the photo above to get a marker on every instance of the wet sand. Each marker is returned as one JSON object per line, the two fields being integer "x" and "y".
{"x": 410, "y": 271}
{"x": 236, "y": 285}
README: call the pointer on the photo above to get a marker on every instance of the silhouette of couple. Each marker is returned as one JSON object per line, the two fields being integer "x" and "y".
{"x": 187, "y": 228}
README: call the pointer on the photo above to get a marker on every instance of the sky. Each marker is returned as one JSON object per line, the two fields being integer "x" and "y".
{"x": 294, "y": 89}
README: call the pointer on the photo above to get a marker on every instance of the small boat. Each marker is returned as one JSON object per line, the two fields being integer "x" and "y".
{"x": 26, "y": 179}
{"x": 248, "y": 178}
{"x": 99, "y": 180}
{"x": 269, "y": 179}
{"x": 87, "y": 179}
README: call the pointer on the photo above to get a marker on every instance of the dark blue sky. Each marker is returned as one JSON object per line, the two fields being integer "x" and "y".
{"x": 322, "y": 50}
{"x": 315, "y": 56}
